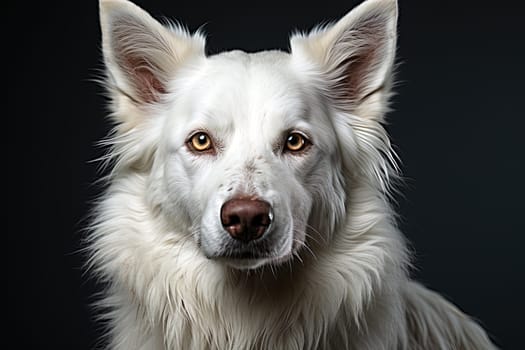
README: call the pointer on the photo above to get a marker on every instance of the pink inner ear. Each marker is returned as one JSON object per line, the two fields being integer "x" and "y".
{"x": 357, "y": 71}
{"x": 148, "y": 87}
{"x": 133, "y": 44}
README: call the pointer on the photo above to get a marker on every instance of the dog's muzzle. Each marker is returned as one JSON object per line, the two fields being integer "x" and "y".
{"x": 246, "y": 219}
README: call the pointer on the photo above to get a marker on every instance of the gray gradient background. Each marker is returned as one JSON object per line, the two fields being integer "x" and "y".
{"x": 457, "y": 125}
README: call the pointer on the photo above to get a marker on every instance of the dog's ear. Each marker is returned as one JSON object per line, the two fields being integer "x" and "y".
{"x": 355, "y": 55}
{"x": 140, "y": 54}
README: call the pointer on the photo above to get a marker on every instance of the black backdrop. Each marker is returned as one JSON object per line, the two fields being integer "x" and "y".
{"x": 457, "y": 125}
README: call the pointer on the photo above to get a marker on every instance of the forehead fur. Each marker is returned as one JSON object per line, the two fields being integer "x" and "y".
{"x": 264, "y": 82}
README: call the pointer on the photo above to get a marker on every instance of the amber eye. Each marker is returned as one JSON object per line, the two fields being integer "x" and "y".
{"x": 200, "y": 142}
{"x": 295, "y": 142}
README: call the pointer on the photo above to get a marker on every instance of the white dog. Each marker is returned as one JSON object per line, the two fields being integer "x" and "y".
{"x": 248, "y": 205}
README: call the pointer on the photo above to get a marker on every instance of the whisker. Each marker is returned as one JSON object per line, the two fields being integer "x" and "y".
{"x": 321, "y": 236}
{"x": 298, "y": 256}
{"x": 306, "y": 247}
{"x": 273, "y": 271}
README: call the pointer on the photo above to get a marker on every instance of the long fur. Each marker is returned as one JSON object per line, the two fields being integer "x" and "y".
{"x": 347, "y": 285}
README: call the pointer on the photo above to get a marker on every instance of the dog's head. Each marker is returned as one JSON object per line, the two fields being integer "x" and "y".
{"x": 250, "y": 154}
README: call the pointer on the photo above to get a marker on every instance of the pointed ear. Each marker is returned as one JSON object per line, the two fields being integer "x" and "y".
{"x": 355, "y": 55}
{"x": 140, "y": 54}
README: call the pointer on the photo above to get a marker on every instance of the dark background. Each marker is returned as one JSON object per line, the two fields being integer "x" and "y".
{"x": 457, "y": 125}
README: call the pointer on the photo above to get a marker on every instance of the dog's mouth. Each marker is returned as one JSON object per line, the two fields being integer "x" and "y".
{"x": 244, "y": 256}
{"x": 253, "y": 255}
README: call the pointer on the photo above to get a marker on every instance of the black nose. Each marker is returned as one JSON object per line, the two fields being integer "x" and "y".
{"x": 246, "y": 219}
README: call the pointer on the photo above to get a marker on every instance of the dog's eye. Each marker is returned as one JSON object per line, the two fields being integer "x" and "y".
{"x": 200, "y": 142}
{"x": 295, "y": 142}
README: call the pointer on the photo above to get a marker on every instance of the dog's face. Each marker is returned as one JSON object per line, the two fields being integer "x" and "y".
{"x": 247, "y": 146}
{"x": 247, "y": 153}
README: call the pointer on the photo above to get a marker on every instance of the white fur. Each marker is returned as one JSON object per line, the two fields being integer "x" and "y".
{"x": 336, "y": 273}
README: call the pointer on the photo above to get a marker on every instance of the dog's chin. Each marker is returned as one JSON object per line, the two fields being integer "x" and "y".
{"x": 253, "y": 263}
{"x": 244, "y": 264}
